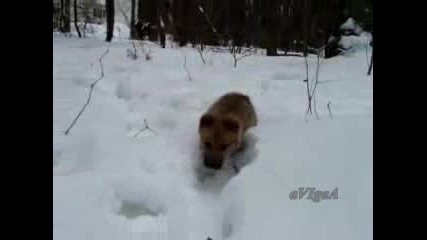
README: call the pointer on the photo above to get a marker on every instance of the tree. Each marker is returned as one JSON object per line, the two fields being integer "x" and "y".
{"x": 132, "y": 20}
{"x": 75, "y": 19}
{"x": 237, "y": 21}
{"x": 269, "y": 23}
{"x": 109, "y": 5}
{"x": 161, "y": 13}
{"x": 65, "y": 16}
{"x": 289, "y": 25}
{"x": 305, "y": 25}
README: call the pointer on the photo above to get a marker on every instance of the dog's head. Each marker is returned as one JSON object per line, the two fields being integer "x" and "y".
{"x": 220, "y": 136}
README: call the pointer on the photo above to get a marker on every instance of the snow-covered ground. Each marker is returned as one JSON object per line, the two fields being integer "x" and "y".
{"x": 109, "y": 184}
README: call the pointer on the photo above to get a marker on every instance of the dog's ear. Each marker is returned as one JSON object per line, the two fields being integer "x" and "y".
{"x": 246, "y": 98}
{"x": 231, "y": 125}
{"x": 206, "y": 121}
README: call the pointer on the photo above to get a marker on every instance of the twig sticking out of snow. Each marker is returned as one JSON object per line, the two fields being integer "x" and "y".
{"x": 315, "y": 107}
{"x": 311, "y": 90}
{"x": 134, "y": 54}
{"x": 246, "y": 53}
{"x": 199, "y": 49}
{"x": 90, "y": 91}
{"x": 329, "y": 108}
{"x": 186, "y": 69}
{"x": 308, "y": 86}
{"x": 372, "y": 61}
{"x": 366, "y": 51}
{"x": 146, "y": 127}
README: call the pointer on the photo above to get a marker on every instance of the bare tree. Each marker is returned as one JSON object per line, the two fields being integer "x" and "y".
{"x": 75, "y": 19}
{"x": 289, "y": 25}
{"x": 133, "y": 53}
{"x": 124, "y": 11}
{"x": 235, "y": 50}
{"x": 305, "y": 22}
{"x": 109, "y": 5}
{"x": 148, "y": 13}
{"x": 238, "y": 54}
{"x": 132, "y": 19}
{"x": 269, "y": 14}
{"x": 161, "y": 15}
{"x": 65, "y": 16}
{"x": 86, "y": 6}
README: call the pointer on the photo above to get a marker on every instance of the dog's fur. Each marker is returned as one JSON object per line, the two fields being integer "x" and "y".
{"x": 223, "y": 126}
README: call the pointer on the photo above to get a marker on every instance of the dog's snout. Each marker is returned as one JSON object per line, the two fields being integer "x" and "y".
{"x": 213, "y": 162}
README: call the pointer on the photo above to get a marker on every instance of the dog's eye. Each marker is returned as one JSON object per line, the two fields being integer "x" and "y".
{"x": 208, "y": 145}
{"x": 223, "y": 147}
{"x": 207, "y": 121}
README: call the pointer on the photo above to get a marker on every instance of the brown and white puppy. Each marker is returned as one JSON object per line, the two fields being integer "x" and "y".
{"x": 223, "y": 126}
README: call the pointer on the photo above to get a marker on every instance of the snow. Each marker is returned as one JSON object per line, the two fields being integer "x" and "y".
{"x": 108, "y": 184}
{"x": 350, "y": 24}
{"x": 353, "y": 43}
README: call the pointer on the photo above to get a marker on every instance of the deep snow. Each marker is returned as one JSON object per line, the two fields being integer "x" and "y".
{"x": 108, "y": 184}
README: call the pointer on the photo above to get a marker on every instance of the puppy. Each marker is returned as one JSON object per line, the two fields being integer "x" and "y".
{"x": 223, "y": 126}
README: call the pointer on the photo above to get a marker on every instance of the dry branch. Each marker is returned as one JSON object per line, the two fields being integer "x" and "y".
{"x": 146, "y": 127}
{"x": 90, "y": 92}
{"x": 329, "y": 109}
{"x": 311, "y": 88}
{"x": 186, "y": 69}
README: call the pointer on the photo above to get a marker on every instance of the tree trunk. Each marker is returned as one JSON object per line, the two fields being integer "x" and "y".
{"x": 139, "y": 23}
{"x": 161, "y": 21}
{"x": 272, "y": 52}
{"x": 305, "y": 27}
{"x": 153, "y": 18}
{"x": 162, "y": 35}
{"x": 61, "y": 13}
{"x": 109, "y": 5}
{"x": 179, "y": 13}
{"x": 270, "y": 17}
{"x": 65, "y": 16}
{"x": 132, "y": 20}
{"x": 75, "y": 19}
{"x": 139, "y": 12}
{"x": 67, "y": 26}
{"x": 147, "y": 14}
